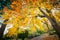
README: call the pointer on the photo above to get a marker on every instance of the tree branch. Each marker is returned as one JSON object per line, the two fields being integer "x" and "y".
{"x": 52, "y": 21}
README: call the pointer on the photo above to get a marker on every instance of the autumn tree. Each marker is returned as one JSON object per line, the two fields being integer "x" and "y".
{"x": 47, "y": 13}
{"x": 24, "y": 13}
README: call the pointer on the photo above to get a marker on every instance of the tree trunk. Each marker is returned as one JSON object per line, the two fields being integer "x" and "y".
{"x": 53, "y": 22}
{"x": 2, "y": 30}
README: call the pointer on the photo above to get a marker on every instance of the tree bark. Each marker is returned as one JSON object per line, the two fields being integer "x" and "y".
{"x": 2, "y": 30}
{"x": 53, "y": 22}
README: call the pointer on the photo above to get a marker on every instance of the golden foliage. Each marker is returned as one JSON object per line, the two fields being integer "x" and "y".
{"x": 23, "y": 14}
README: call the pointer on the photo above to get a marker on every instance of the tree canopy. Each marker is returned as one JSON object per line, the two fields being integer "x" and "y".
{"x": 30, "y": 15}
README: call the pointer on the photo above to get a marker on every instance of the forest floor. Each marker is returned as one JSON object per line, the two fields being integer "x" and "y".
{"x": 46, "y": 37}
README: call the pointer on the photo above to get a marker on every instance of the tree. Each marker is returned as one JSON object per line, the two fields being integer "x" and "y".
{"x": 2, "y": 4}
{"x": 52, "y": 21}
{"x": 2, "y": 30}
{"x": 24, "y": 10}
